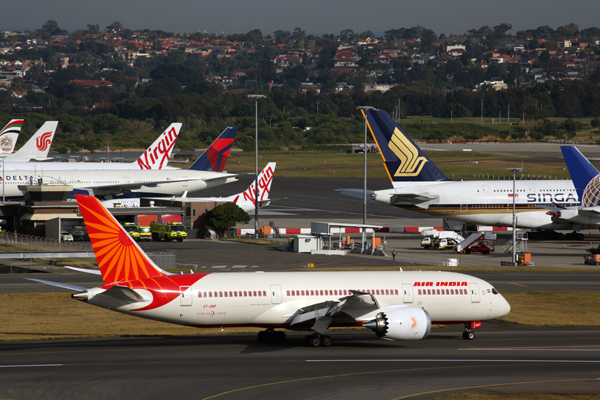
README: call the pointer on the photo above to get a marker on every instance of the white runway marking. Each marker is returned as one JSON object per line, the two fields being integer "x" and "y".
{"x": 31, "y": 366}
{"x": 219, "y": 266}
{"x": 465, "y": 360}
{"x": 239, "y": 266}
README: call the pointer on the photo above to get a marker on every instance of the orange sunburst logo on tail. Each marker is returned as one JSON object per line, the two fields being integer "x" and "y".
{"x": 119, "y": 257}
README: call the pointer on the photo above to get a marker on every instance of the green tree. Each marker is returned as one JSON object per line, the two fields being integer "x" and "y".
{"x": 226, "y": 216}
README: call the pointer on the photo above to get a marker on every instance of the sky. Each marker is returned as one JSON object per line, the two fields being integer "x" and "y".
{"x": 313, "y": 16}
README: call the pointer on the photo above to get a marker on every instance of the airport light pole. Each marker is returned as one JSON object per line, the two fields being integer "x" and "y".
{"x": 256, "y": 97}
{"x": 514, "y": 217}
{"x": 364, "y": 109}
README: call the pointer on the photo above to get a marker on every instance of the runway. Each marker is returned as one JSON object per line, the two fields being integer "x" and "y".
{"x": 358, "y": 365}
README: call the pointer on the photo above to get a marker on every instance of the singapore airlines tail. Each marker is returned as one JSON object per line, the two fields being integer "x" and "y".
{"x": 119, "y": 257}
{"x": 9, "y": 135}
{"x": 215, "y": 157}
{"x": 404, "y": 161}
{"x": 38, "y": 146}
{"x": 158, "y": 154}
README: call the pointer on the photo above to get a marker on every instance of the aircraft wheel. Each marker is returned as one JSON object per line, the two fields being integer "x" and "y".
{"x": 261, "y": 336}
{"x": 279, "y": 336}
{"x": 580, "y": 236}
{"x": 326, "y": 341}
{"x": 269, "y": 336}
{"x": 313, "y": 340}
{"x": 468, "y": 335}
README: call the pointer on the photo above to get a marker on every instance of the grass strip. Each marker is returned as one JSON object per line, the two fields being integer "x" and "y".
{"x": 47, "y": 316}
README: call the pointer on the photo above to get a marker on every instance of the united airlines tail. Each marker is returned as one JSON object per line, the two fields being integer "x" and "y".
{"x": 158, "y": 154}
{"x": 9, "y": 135}
{"x": 584, "y": 175}
{"x": 38, "y": 146}
{"x": 119, "y": 257}
{"x": 404, "y": 161}
{"x": 215, "y": 157}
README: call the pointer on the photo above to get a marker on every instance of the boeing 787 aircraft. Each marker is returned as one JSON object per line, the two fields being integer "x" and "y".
{"x": 395, "y": 305}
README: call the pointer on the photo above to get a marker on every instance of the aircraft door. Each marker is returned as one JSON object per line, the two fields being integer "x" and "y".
{"x": 486, "y": 190}
{"x": 464, "y": 206}
{"x": 407, "y": 289}
{"x": 185, "y": 295}
{"x": 475, "y": 298}
{"x": 275, "y": 294}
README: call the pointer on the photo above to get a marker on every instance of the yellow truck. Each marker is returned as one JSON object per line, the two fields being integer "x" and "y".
{"x": 168, "y": 231}
{"x": 145, "y": 232}
{"x": 132, "y": 229}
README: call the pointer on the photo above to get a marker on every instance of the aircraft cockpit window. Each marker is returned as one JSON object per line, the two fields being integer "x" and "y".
{"x": 495, "y": 291}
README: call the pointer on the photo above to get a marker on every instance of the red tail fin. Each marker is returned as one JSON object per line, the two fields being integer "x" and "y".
{"x": 119, "y": 257}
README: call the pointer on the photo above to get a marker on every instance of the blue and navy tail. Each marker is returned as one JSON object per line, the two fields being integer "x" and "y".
{"x": 404, "y": 161}
{"x": 215, "y": 157}
{"x": 584, "y": 175}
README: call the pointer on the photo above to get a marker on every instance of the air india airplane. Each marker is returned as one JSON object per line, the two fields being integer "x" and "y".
{"x": 395, "y": 305}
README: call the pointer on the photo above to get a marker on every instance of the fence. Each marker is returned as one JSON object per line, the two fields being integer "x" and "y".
{"x": 18, "y": 242}
{"x": 163, "y": 259}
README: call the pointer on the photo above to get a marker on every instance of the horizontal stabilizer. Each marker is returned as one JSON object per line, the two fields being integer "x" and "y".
{"x": 87, "y": 271}
{"x": 60, "y": 285}
{"x": 411, "y": 199}
{"x": 124, "y": 293}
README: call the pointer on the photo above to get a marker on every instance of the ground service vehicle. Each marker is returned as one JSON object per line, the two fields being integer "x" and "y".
{"x": 145, "y": 232}
{"x": 168, "y": 232}
{"x": 132, "y": 229}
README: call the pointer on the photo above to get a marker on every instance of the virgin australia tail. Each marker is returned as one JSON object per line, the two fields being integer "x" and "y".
{"x": 119, "y": 257}
{"x": 403, "y": 160}
{"x": 215, "y": 157}
{"x": 158, "y": 154}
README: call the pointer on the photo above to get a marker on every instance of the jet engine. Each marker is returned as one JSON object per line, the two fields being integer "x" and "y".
{"x": 403, "y": 323}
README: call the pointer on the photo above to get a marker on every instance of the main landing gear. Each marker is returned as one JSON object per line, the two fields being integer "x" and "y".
{"x": 271, "y": 336}
{"x": 316, "y": 340}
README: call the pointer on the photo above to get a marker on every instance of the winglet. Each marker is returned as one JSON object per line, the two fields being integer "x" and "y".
{"x": 581, "y": 170}
{"x": 404, "y": 161}
{"x": 119, "y": 257}
{"x": 158, "y": 154}
{"x": 215, "y": 157}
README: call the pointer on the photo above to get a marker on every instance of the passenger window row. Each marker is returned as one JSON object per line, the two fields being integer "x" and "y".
{"x": 335, "y": 292}
{"x": 442, "y": 291}
{"x": 240, "y": 293}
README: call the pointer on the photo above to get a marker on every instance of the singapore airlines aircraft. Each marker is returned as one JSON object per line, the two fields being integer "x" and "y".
{"x": 37, "y": 147}
{"x": 420, "y": 186}
{"x": 9, "y": 135}
{"x": 395, "y": 305}
{"x": 133, "y": 179}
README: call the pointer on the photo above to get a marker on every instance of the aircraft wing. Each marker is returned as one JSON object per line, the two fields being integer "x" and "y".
{"x": 357, "y": 193}
{"x": 590, "y": 212}
{"x": 127, "y": 187}
{"x": 323, "y": 313}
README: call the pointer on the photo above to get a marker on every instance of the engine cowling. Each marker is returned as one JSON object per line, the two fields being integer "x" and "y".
{"x": 403, "y": 323}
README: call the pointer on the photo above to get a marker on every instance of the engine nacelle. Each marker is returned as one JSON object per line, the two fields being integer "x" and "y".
{"x": 402, "y": 323}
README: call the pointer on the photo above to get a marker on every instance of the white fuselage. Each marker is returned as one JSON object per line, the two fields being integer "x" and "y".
{"x": 104, "y": 182}
{"x": 271, "y": 299}
{"x": 69, "y": 166}
{"x": 490, "y": 202}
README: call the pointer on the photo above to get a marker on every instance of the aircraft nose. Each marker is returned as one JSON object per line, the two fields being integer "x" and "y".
{"x": 505, "y": 306}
